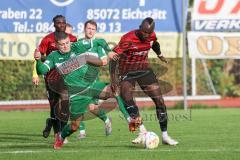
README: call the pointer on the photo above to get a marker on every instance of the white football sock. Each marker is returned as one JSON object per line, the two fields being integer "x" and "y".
{"x": 129, "y": 119}
{"x": 82, "y": 131}
{"x": 107, "y": 120}
{"x": 164, "y": 134}
{"x": 142, "y": 128}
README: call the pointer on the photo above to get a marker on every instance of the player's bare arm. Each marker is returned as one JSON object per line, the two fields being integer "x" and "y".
{"x": 156, "y": 48}
{"x": 35, "y": 78}
{"x": 112, "y": 68}
{"x": 37, "y": 54}
{"x": 113, "y": 56}
{"x": 95, "y": 60}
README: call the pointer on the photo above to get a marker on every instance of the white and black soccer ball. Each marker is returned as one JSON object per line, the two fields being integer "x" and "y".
{"x": 151, "y": 140}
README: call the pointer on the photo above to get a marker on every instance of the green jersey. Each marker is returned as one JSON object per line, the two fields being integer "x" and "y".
{"x": 94, "y": 43}
{"x": 78, "y": 75}
{"x": 94, "y": 47}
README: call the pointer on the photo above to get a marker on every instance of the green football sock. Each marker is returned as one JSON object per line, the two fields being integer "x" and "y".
{"x": 102, "y": 114}
{"x": 122, "y": 108}
{"x": 82, "y": 126}
{"x": 67, "y": 131}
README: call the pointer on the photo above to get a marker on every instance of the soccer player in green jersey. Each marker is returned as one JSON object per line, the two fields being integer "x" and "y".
{"x": 79, "y": 69}
{"x": 100, "y": 113}
{"x": 90, "y": 29}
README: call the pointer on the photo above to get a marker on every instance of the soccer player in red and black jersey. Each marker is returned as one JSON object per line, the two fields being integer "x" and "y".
{"x": 57, "y": 92}
{"x": 131, "y": 53}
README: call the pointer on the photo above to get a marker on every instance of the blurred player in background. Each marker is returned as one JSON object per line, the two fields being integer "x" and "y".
{"x": 69, "y": 28}
{"x": 56, "y": 90}
{"x": 132, "y": 55}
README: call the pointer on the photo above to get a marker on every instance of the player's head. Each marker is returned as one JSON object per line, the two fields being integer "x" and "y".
{"x": 59, "y": 23}
{"x": 90, "y": 29}
{"x": 146, "y": 28}
{"x": 62, "y": 41}
{"x": 69, "y": 28}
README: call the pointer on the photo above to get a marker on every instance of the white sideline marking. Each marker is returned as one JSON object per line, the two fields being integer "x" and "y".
{"x": 50, "y": 143}
{"x": 138, "y": 99}
{"x": 117, "y": 151}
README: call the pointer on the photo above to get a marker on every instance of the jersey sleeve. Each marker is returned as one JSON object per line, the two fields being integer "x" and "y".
{"x": 43, "y": 68}
{"x": 104, "y": 45}
{"x": 101, "y": 52}
{"x": 43, "y": 47}
{"x": 153, "y": 37}
{"x": 122, "y": 46}
{"x": 80, "y": 46}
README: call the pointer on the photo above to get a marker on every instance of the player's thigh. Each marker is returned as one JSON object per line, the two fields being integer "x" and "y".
{"x": 64, "y": 93}
{"x": 51, "y": 94}
{"x": 106, "y": 93}
{"x": 149, "y": 84}
{"x": 78, "y": 106}
{"x": 148, "y": 79}
{"x": 99, "y": 90}
{"x": 94, "y": 104}
{"x": 126, "y": 89}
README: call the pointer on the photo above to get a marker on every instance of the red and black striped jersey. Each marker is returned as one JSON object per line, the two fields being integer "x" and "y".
{"x": 133, "y": 52}
{"x": 48, "y": 45}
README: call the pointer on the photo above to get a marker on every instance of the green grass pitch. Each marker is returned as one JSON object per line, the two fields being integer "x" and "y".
{"x": 203, "y": 134}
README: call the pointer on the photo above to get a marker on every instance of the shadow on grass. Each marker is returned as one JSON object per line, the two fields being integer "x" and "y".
{"x": 20, "y": 134}
{"x": 19, "y": 137}
{"x": 27, "y": 146}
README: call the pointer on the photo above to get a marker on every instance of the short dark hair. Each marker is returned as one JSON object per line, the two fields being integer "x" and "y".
{"x": 91, "y": 22}
{"x": 148, "y": 20}
{"x": 60, "y": 36}
{"x": 58, "y": 16}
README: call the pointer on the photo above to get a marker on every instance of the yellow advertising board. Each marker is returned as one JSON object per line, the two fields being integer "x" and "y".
{"x": 20, "y": 46}
{"x": 214, "y": 45}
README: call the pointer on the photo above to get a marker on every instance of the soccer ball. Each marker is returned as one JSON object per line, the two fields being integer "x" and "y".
{"x": 151, "y": 140}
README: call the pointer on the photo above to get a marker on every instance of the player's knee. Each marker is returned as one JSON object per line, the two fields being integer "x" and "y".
{"x": 128, "y": 102}
{"x": 74, "y": 127}
{"x": 161, "y": 109}
{"x": 106, "y": 93}
{"x": 92, "y": 107}
{"x": 159, "y": 102}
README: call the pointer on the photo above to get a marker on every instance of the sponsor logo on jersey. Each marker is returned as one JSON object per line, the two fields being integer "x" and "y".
{"x": 142, "y": 53}
{"x": 68, "y": 66}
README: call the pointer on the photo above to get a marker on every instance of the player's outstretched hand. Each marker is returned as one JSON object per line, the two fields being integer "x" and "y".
{"x": 114, "y": 88}
{"x": 35, "y": 80}
{"x": 114, "y": 56}
{"x": 37, "y": 54}
{"x": 163, "y": 59}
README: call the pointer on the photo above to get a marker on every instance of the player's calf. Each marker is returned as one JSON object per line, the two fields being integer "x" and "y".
{"x": 48, "y": 127}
